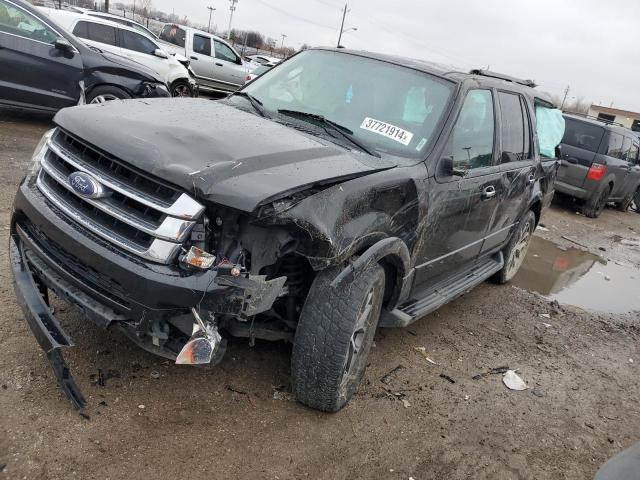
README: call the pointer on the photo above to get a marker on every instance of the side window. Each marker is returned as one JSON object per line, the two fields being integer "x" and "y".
{"x": 80, "y": 30}
{"x": 626, "y": 146}
{"x": 173, "y": 34}
{"x": 633, "y": 153}
{"x": 136, "y": 42}
{"x": 515, "y": 128}
{"x": 615, "y": 145}
{"x": 201, "y": 44}
{"x": 101, "y": 33}
{"x": 223, "y": 52}
{"x": 471, "y": 142}
{"x": 19, "y": 22}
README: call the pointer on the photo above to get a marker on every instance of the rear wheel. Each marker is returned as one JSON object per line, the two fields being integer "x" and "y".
{"x": 516, "y": 250}
{"x": 595, "y": 206}
{"x": 626, "y": 202}
{"x": 106, "y": 93}
{"x": 333, "y": 338}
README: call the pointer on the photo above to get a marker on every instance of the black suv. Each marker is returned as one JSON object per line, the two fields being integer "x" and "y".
{"x": 600, "y": 164}
{"x": 43, "y": 67}
{"x": 338, "y": 192}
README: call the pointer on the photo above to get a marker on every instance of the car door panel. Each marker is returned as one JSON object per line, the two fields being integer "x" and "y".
{"x": 227, "y": 69}
{"x": 200, "y": 55}
{"x": 40, "y": 76}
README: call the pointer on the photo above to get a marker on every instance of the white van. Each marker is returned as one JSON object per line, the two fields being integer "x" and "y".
{"x": 128, "y": 42}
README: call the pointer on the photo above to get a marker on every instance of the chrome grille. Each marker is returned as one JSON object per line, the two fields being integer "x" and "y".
{"x": 139, "y": 214}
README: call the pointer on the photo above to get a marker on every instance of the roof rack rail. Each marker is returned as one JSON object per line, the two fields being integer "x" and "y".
{"x": 488, "y": 73}
{"x": 591, "y": 117}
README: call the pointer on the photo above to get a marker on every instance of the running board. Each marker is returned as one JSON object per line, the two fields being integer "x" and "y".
{"x": 434, "y": 296}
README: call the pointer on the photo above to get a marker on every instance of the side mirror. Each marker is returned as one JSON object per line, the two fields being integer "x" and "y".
{"x": 158, "y": 52}
{"x": 449, "y": 169}
{"x": 63, "y": 45}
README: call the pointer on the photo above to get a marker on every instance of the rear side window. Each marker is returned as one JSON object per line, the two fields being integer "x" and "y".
{"x": 633, "y": 153}
{"x": 202, "y": 45}
{"x": 616, "y": 142}
{"x": 136, "y": 42}
{"x": 173, "y": 34}
{"x": 515, "y": 128}
{"x": 582, "y": 135}
{"x": 223, "y": 52}
{"x": 626, "y": 147}
{"x": 100, "y": 33}
{"x": 471, "y": 143}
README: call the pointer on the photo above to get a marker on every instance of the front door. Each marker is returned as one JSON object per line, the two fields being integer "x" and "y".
{"x": 462, "y": 202}
{"x": 201, "y": 57}
{"x": 229, "y": 69}
{"x": 141, "y": 49}
{"x": 39, "y": 75}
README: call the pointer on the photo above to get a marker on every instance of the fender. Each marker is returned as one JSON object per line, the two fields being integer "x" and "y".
{"x": 391, "y": 250}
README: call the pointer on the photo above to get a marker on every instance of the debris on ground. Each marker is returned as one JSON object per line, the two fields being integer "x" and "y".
{"x": 405, "y": 403}
{"x": 423, "y": 351}
{"x": 513, "y": 381}
{"x": 545, "y": 315}
{"x": 537, "y": 392}
{"x": 572, "y": 240}
{"x": 491, "y": 371}
{"x": 141, "y": 407}
{"x": 85, "y": 416}
{"x": 155, "y": 374}
{"x": 101, "y": 377}
{"x": 386, "y": 378}
{"x": 447, "y": 378}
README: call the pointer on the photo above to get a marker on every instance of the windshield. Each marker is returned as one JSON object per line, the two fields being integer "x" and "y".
{"x": 389, "y": 108}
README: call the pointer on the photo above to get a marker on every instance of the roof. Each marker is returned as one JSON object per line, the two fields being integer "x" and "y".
{"x": 595, "y": 121}
{"x": 447, "y": 71}
{"x": 615, "y": 111}
{"x": 66, "y": 18}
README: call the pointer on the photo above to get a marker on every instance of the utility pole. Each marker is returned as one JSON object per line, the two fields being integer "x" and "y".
{"x": 233, "y": 9}
{"x": 344, "y": 15}
{"x": 282, "y": 44}
{"x": 211, "y": 9}
{"x": 566, "y": 93}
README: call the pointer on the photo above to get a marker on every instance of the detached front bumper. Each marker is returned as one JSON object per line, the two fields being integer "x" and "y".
{"x": 112, "y": 288}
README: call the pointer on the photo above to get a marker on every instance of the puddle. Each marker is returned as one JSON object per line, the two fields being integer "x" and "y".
{"x": 579, "y": 278}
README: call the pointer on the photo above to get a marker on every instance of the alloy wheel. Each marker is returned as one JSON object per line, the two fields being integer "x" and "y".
{"x": 107, "y": 97}
{"x": 519, "y": 252}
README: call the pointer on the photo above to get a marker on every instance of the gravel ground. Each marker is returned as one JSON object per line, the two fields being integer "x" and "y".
{"x": 153, "y": 419}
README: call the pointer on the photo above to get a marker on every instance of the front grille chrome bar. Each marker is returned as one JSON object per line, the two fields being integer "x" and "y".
{"x": 159, "y": 250}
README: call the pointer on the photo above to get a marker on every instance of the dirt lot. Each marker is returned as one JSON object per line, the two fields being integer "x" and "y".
{"x": 153, "y": 419}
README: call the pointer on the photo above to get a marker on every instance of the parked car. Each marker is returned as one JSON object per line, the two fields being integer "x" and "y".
{"x": 599, "y": 164}
{"x": 256, "y": 72}
{"x": 321, "y": 206}
{"x": 264, "y": 60}
{"x": 216, "y": 65}
{"x": 128, "y": 42}
{"x": 51, "y": 69}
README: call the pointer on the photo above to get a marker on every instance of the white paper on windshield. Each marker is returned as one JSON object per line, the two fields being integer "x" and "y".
{"x": 387, "y": 130}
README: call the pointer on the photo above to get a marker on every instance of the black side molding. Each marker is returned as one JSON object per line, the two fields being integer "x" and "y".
{"x": 49, "y": 335}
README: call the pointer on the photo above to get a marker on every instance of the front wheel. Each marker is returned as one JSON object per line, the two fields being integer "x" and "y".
{"x": 181, "y": 88}
{"x": 333, "y": 338}
{"x": 106, "y": 93}
{"x": 516, "y": 250}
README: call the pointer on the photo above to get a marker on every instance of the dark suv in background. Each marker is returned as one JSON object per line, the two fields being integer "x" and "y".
{"x": 43, "y": 67}
{"x": 599, "y": 164}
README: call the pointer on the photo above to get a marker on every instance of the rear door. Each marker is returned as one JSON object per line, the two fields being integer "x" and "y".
{"x": 580, "y": 146}
{"x": 104, "y": 37}
{"x": 632, "y": 180}
{"x": 617, "y": 164}
{"x": 517, "y": 165}
{"x": 462, "y": 207}
{"x": 229, "y": 68}
{"x": 33, "y": 73}
{"x": 142, "y": 49}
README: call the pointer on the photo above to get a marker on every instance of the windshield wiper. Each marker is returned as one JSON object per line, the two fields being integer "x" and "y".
{"x": 336, "y": 127}
{"x": 255, "y": 103}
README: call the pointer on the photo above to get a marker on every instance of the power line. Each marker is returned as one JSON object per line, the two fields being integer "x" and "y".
{"x": 293, "y": 15}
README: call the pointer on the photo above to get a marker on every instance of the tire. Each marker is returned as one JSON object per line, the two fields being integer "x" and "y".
{"x": 106, "y": 93}
{"x": 516, "y": 250}
{"x": 595, "y": 205}
{"x": 181, "y": 88}
{"x": 334, "y": 336}
{"x": 626, "y": 202}
{"x": 636, "y": 201}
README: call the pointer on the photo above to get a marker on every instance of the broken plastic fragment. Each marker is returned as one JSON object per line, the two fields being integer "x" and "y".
{"x": 513, "y": 381}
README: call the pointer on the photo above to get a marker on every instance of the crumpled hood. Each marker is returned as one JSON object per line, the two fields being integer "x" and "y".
{"x": 217, "y": 152}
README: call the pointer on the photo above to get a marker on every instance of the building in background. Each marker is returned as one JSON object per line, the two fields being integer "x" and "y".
{"x": 628, "y": 119}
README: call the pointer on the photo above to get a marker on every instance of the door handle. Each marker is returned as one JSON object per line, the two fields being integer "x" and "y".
{"x": 219, "y": 64}
{"x": 193, "y": 58}
{"x": 572, "y": 160}
{"x": 488, "y": 192}
{"x": 531, "y": 178}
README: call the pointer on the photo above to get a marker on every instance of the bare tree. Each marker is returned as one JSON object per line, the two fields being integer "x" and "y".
{"x": 145, "y": 9}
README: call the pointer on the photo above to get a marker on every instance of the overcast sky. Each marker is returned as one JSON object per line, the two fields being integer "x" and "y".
{"x": 591, "y": 45}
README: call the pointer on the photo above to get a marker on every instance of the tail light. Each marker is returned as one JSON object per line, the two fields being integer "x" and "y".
{"x": 596, "y": 172}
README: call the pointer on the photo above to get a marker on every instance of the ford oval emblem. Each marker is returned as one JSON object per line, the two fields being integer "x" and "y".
{"x": 85, "y": 185}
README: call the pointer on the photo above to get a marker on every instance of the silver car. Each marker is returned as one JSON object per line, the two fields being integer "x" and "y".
{"x": 217, "y": 66}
